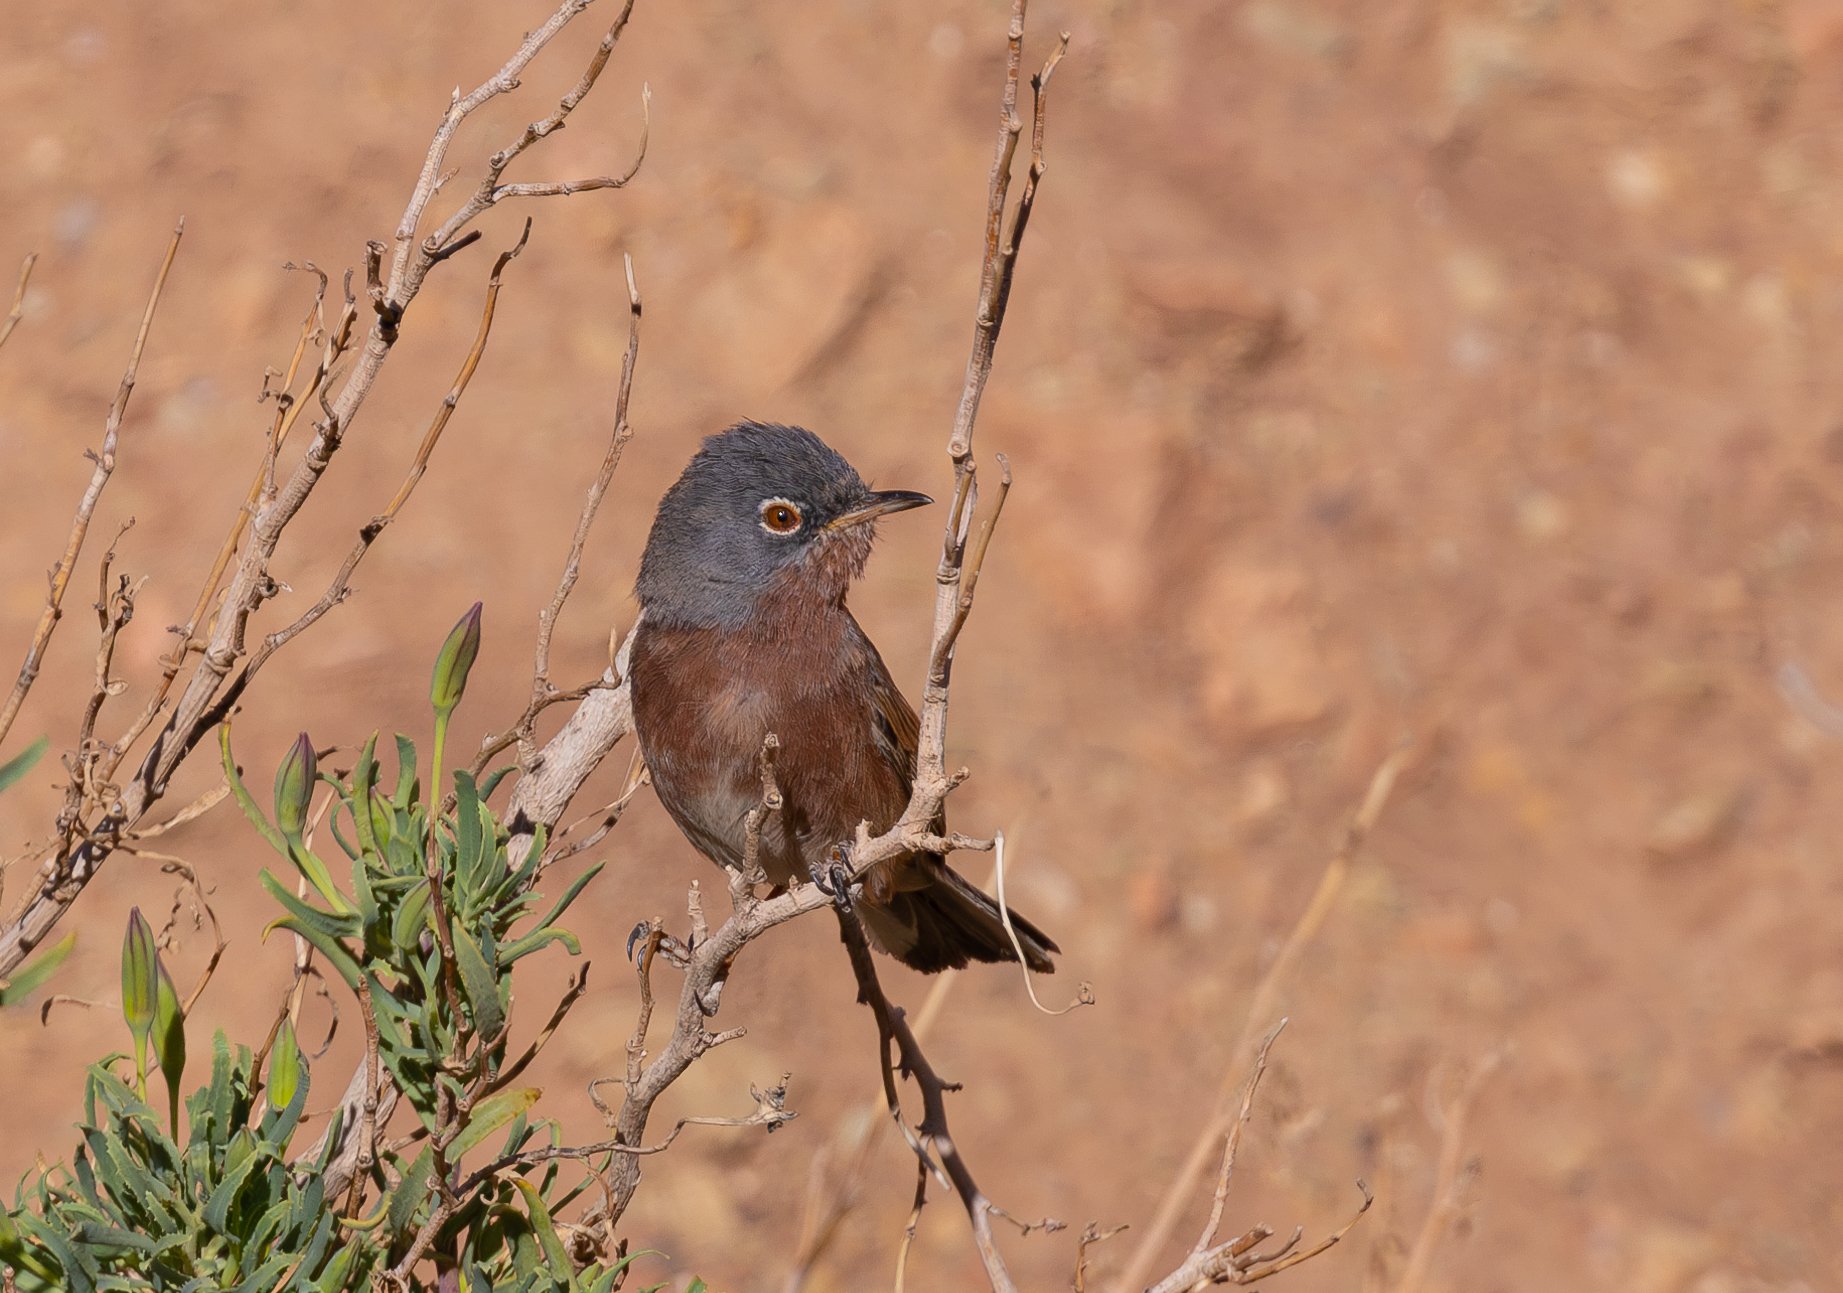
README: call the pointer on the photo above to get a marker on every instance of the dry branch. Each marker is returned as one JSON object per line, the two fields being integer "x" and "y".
{"x": 1449, "y": 1177}
{"x": 1241, "y": 1260}
{"x": 86, "y": 506}
{"x": 210, "y": 689}
{"x": 1177, "y": 1194}
{"x": 19, "y": 297}
{"x": 549, "y": 778}
{"x": 708, "y": 963}
{"x": 543, "y": 692}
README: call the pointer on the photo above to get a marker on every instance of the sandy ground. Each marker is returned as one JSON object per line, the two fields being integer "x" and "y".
{"x": 1458, "y": 372}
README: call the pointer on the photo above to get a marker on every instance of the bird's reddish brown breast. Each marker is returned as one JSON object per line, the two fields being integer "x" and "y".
{"x": 704, "y": 699}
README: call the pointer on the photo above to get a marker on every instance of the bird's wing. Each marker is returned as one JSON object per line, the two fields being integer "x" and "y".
{"x": 894, "y": 726}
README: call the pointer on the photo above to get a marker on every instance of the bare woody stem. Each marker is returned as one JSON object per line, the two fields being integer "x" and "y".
{"x": 104, "y": 461}
{"x": 201, "y": 700}
{"x": 19, "y": 298}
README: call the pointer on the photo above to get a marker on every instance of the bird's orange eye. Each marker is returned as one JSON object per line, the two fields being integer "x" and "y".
{"x": 780, "y": 516}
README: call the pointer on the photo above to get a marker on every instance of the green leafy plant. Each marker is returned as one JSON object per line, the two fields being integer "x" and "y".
{"x": 432, "y": 917}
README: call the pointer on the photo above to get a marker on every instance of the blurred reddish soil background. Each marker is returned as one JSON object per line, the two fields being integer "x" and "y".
{"x": 1459, "y": 371}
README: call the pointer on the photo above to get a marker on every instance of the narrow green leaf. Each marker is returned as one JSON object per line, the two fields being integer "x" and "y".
{"x": 470, "y": 842}
{"x": 493, "y": 779}
{"x": 278, "y": 1125}
{"x": 489, "y": 1116}
{"x": 412, "y": 918}
{"x": 380, "y": 817}
{"x": 23, "y": 762}
{"x": 522, "y": 877}
{"x": 406, "y": 773}
{"x": 352, "y": 851}
{"x": 520, "y": 948}
{"x": 480, "y": 981}
{"x": 241, "y": 794}
{"x": 365, "y": 900}
{"x": 409, "y": 1194}
{"x": 312, "y": 927}
{"x": 286, "y": 1067}
{"x": 364, "y": 778}
{"x": 570, "y": 895}
{"x": 335, "y": 924}
{"x": 556, "y": 1257}
{"x": 333, "y": 1279}
{"x": 308, "y": 863}
{"x": 217, "y": 1208}
{"x": 21, "y": 985}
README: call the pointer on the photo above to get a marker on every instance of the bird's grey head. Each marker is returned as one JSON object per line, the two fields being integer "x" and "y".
{"x": 759, "y": 506}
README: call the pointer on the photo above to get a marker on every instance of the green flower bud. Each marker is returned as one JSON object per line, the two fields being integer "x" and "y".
{"x": 169, "y": 1037}
{"x": 140, "y": 989}
{"x": 140, "y": 976}
{"x": 294, "y": 789}
{"x": 454, "y": 662}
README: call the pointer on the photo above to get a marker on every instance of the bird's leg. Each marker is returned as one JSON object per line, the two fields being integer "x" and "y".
{"x": 833, "y": 879}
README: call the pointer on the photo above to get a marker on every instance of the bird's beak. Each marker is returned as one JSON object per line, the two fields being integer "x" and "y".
{"x": 889, "y": 500}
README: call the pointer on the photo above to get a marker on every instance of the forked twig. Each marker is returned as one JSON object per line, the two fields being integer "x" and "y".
{"x": 1449, "y": 1182}
{"x": 1239, "y": 1260}
{"x": 202, "y": 701}
{"x": 1232, "y": 1142}
{"x": 339, "y": 588}
{"x": 104, "y": 461}
{"x": 1177, "y": 1193}
{"x": 543, "y": 692}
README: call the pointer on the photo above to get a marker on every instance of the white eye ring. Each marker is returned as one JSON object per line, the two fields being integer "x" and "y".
{"x": 781, "y": 517}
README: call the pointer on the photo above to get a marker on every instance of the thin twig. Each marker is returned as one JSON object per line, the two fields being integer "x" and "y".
{"x": 931, "y": 1139}
{"x": 1084, "y": 992}
{"x": 1448, "y": 1183}
{"x": 1232, "y": 1142}
{"x": 339, "y": 588}
{"x": 368, "y": 1107}
{"x": 910, "y": 1226}
{"x": 1178, "y": 1192}
{"x": 770, "y": 1112}
{"x": 288, "y": 407}
{"x": 1236, "y": 1261}
{"x": 19, "y": 297}
{"x": 86, "y": 506}
{"x": 822, "y": 1216}
{"x": 1091, "y": 1235}
{"x": 543, "y": 693}
{"x": 490, "y": 190}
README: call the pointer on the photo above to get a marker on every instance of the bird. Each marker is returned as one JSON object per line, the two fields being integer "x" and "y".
{"x": 744, "y": 632}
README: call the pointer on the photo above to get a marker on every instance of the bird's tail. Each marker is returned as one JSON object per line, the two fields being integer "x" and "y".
{"x": 948, "y": 922}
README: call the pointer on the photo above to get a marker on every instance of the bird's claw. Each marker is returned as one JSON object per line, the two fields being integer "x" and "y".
{"x": 656, "y": 940}
{"x": 834, "y": 881}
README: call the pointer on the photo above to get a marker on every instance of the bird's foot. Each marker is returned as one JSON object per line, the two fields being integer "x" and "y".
{"x": 833, "y": 879}
{"x": 653, "y": 940}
